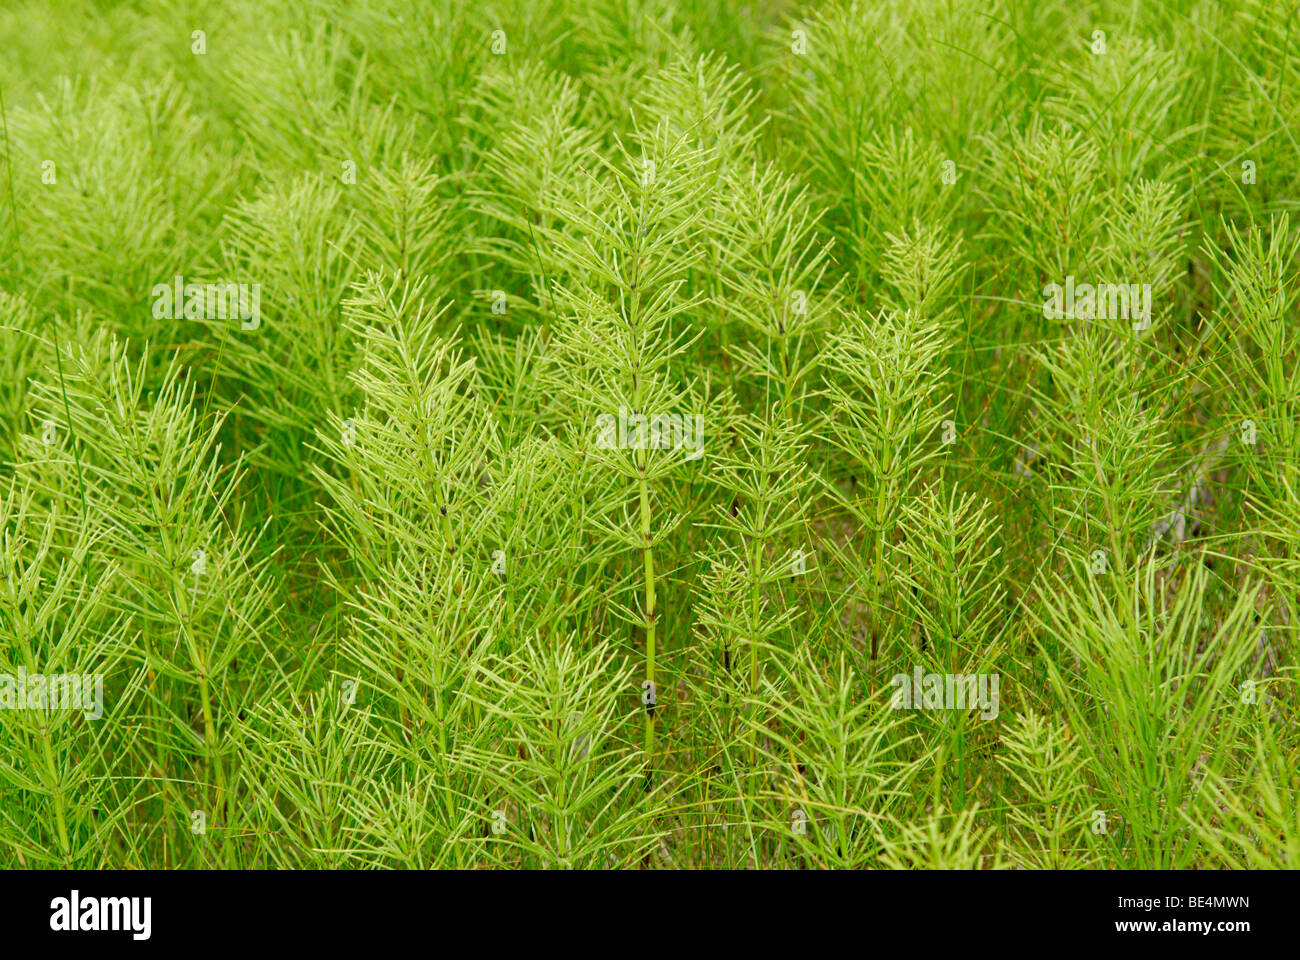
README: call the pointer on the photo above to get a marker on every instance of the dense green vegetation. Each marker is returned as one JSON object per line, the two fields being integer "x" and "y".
{"x": 374, "y": 569}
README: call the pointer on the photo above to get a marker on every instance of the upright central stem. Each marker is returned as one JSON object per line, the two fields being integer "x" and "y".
{"x": 648, "y": 555}
{"x": 756, "y": 552}
{"x": 885, "y": 494}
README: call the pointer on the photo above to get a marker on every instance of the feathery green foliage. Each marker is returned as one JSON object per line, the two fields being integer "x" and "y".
{"x": 653, "y": 434}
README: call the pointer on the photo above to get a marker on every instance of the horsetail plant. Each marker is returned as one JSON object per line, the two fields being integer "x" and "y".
{"x": 649, "y": 435}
